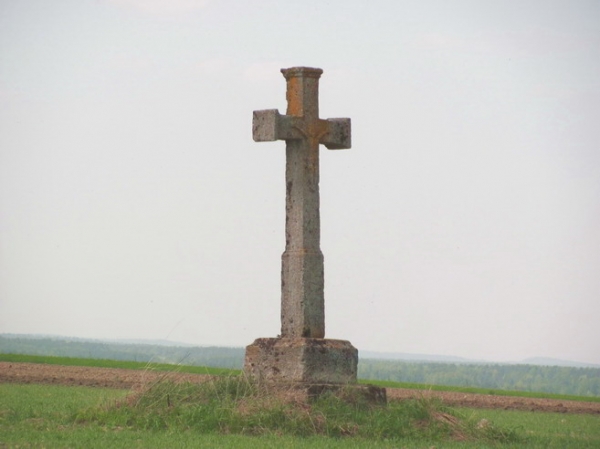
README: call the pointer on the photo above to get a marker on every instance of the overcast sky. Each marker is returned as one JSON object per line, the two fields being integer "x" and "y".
{"x": 464, "y": 221}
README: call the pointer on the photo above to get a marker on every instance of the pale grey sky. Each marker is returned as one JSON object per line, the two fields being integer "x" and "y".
{"x": 464, "y": 221}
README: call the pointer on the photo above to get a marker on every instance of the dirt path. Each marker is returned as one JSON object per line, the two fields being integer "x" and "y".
{"x": 126, "y": 378}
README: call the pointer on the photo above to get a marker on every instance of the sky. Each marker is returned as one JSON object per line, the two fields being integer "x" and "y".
{"x": 464, "y": 221}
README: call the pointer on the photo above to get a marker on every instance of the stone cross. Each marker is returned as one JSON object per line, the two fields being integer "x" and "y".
{"x": 302, "y": 278}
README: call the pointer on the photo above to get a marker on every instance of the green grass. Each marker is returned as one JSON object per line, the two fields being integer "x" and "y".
{"x": 105, "y": 363}
{"x": 60, "y": 417}
{"x": 43, "y": 416}
{"x": 545, "y": 430}
{"x": 222, "y": 414}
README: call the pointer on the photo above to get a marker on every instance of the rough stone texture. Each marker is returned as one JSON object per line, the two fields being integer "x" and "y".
{"x": 313, "y": 361}
{"x": 302, "y": 274}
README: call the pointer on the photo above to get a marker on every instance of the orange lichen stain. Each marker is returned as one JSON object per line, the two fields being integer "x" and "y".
{"x": 294, "y": 97}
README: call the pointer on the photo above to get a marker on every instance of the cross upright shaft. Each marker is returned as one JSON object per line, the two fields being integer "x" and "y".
{"x": 302, "y": 274}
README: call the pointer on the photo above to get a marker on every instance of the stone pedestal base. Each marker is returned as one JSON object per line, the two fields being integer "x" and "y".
{"x": 315, "y": 361}
{"x": 306, "y": 368}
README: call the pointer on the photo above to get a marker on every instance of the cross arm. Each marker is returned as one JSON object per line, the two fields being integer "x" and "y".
{"x": 269, "y": 125}
{"x": 339, "y": 136}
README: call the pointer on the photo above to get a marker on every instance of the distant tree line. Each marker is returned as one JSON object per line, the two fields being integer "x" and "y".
{"x": 547, "y": 379}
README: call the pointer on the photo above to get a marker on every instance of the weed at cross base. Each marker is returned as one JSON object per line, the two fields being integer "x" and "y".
{"x": 234, "y": 405}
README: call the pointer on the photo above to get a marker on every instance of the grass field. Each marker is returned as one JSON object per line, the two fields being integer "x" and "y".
{"x": 105, "y": 363}
{"x": 44, "y": 416}
{"x": 60, "y": 416}
{"x": 552, "y": 430}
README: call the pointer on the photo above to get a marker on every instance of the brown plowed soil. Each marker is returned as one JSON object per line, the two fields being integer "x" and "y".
{"x": 135, "y": 379}
{"x": 88, "y": 376}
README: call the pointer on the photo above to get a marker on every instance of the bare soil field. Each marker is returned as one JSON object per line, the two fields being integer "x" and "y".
{"x": 135, "y": 379}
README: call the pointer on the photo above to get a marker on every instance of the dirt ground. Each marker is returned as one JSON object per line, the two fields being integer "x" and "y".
{"x": 134, "y": 379}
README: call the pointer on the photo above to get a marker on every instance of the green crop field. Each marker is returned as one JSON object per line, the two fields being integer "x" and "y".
{"x": 173, "y": 416}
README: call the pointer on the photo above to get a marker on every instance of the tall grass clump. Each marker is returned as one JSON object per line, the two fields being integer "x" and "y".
{"x": 234, "y": 405}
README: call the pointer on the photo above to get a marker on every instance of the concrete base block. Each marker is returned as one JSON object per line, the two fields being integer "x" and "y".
{"x": 313, "y": 361}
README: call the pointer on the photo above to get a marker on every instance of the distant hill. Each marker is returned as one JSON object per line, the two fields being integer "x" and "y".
{"x": 414, "y": 357}
{"x": 538, "y": 361}
{"x": 133, "y": 341}
{"x": 148, "y": 351}
{"x": 546, "y": 361}
{"x": 374, "y": 355}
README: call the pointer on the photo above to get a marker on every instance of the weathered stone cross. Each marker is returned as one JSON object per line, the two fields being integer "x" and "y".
{"x": 302, "y": 278}
{"x": 301, "y": 358}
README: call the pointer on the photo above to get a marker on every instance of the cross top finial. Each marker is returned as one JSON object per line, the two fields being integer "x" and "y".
{"x": 309, "y": 72}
